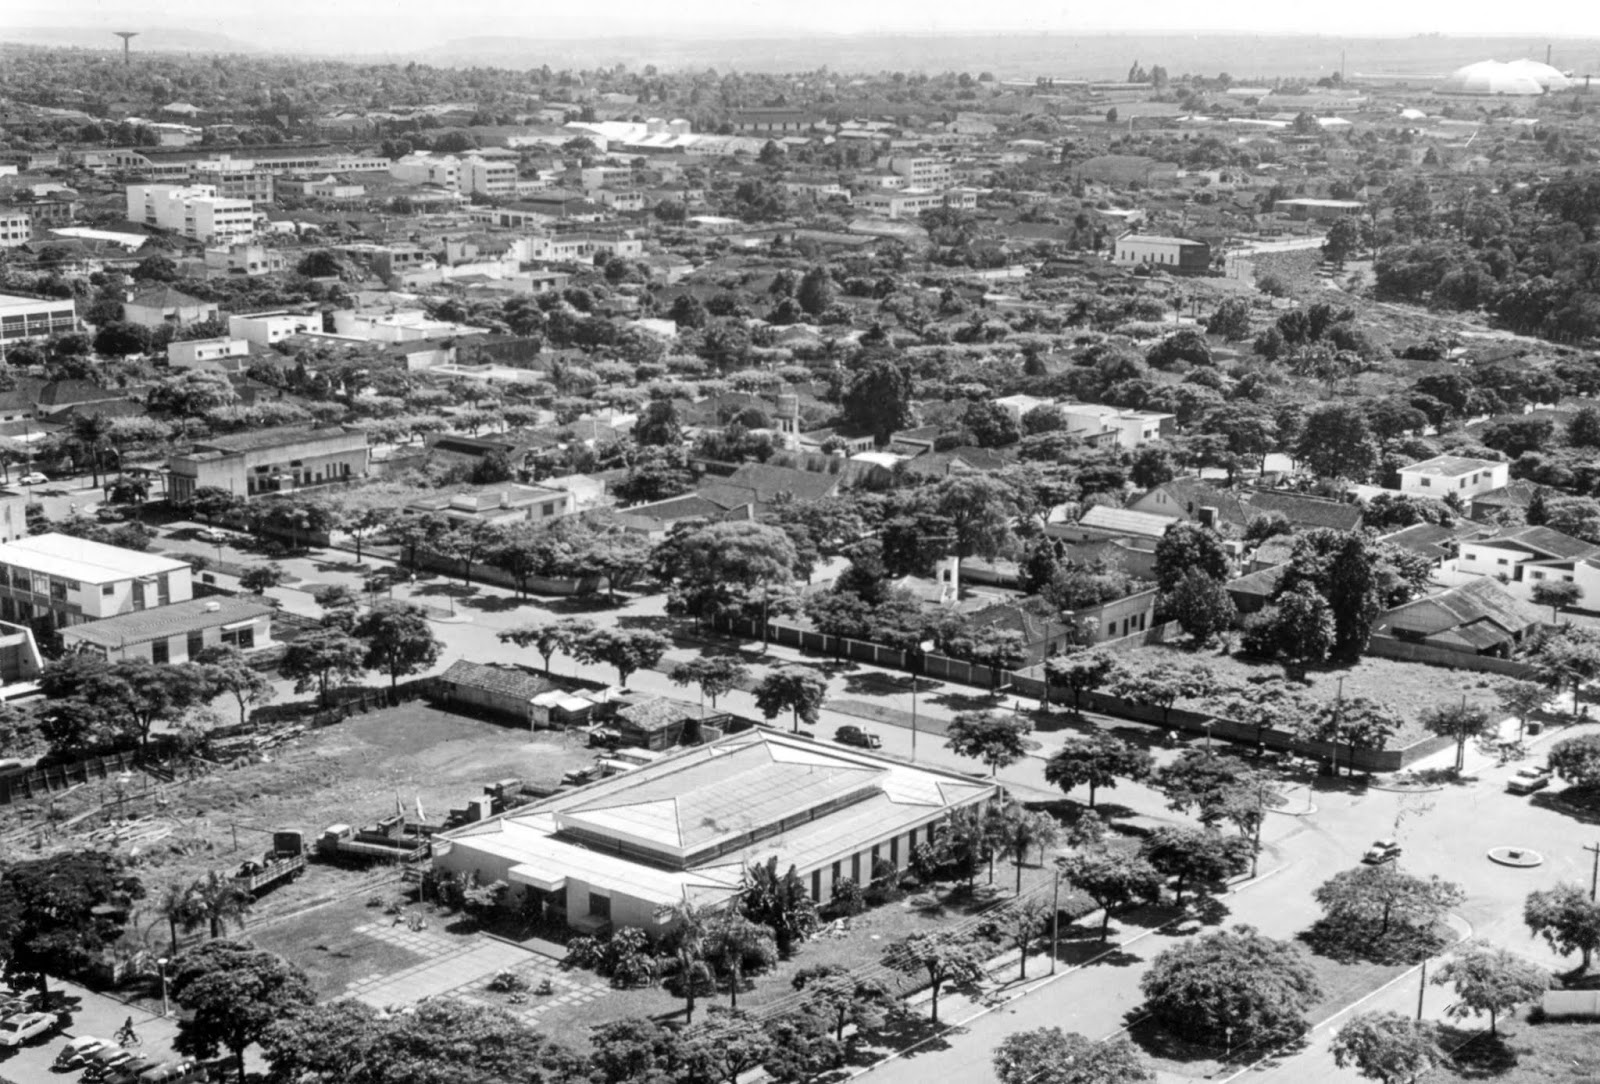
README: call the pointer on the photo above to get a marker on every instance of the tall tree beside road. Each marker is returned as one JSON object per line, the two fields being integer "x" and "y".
{"x": 232, "y": 993}
{"x": 1521, "y": 699}
{"x": 1234, "y": 985}
{"x": 841, "y": 997}
{"x": 1201, "y": 606}
{"x": 714, "y": 569}
{"x": 258, "y": 579}
{"x": 398, "y": 639}
{"x": 797, "y": 689}
{"x": 1569, "y": 660}
{"x": 58, "y": 914}
{"x": 1051, "y": 1056}
{"x": 997, "y": 738}
{"x": 1344, "y": 568}
{"x": 1080, "y": 671}
{"x": 978, "y": 509}
{"x": 1577, "y": 760}
{"x": 1567, "y": 919}
{"x": 715, "y": 676}
{"x": 1098, "y": 759}
{"x": 628, "y": 650}
{"x": 549, "y": 637}
{"x": 1489, "y": 980}
{"x": 316, "y": 656}
{"x": 1460, "y": 723}
{"x": 467, "y": 543}
{"x": 878, "y": 399}
{"x": 1115, "y": 880}
{"x": 1201, "y": 857}
{"x": 1384, "y": 913}
{"x": 1386, "y": 1046}
{"x": 944, "y": 959}
{"x": 1164, "y": 684}
{"x": 1357, "y": 723}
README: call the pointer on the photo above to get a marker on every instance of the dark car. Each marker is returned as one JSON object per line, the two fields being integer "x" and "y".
{"x": 855, "y": 735}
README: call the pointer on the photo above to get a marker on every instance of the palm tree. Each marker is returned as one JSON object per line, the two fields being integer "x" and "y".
{"x": 92, "y": 433}
{"x": 732, "y": 940}
{"x": 218, "y": 902}
{"x": 176, "y": 904}
{"x": 689, "y": 953}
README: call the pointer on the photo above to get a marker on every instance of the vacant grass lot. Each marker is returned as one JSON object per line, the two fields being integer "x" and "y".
{"x": 1548, "y": 1053}
{"x": 1407, "y": 687}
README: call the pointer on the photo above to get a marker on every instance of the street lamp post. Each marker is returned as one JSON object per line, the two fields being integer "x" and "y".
{"x": 161, "y": 967}
{"x": 1422, "y": 987}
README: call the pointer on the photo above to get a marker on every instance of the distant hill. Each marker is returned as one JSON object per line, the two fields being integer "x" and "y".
{"x": 150, "y": 40}
{"x": 566, "y": 42}
{"x": 1019, "y": 56}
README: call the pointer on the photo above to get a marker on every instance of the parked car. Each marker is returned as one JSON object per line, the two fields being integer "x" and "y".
{"x": 130, "y": 1071}
{"x": 76, "y": 1053}
{"x": 174, "y": 1072}
{"x": 855, "y": 735}
{"x": 18, "y": 1029}
{"x": 33, "y": 478}
{"x": 1381, "y": 851}
{"x": 99, "y": 1064}
{"x": 214, "y": 535}
{"x": 1528, "y": 780}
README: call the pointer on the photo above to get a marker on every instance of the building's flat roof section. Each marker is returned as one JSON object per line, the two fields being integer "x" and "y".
{"x": 17, "y": 300}
{"x": 80, "y": 559}
{"x": 1450, "y": 466}
{"x": 256, "y": 440}
{"x": 164, "y": 621}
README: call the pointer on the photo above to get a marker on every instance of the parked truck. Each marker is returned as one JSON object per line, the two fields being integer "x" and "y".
{"x": 284, "y": 862}
{"x": 390, "y": 840}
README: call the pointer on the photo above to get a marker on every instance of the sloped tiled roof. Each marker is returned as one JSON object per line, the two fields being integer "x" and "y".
{"x": 1482, "y": 600}
{"x": 1304, "y": 511}
{"x": 1544, "y": 541}
{"x": 505, "y": 680}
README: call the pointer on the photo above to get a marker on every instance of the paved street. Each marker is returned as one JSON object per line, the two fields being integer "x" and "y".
{"x": 92, "y": 1014}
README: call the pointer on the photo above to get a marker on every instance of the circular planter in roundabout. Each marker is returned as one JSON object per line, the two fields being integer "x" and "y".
{"x": 1517, "y": 857}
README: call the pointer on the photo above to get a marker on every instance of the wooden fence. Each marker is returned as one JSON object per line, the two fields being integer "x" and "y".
{"x": 42, "y": 782}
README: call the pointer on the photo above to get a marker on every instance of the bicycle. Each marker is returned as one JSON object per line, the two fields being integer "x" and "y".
{"x": 126, "y": 1036}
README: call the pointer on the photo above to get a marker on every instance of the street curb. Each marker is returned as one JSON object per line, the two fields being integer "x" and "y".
{"x": 1039, "y": 984}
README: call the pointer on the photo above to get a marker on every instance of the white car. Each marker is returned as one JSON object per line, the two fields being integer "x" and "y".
{"x": 33, "y": 478}
{"x": 16, "y": 1030}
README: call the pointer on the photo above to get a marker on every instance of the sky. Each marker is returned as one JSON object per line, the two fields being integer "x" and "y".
{"x": 376, "y": 25}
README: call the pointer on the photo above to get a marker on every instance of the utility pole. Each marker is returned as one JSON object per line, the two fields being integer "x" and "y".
{"x": 1055, "y": 920}
{"x": 1594, "y": 878}
{"x": 1422, "y": 988}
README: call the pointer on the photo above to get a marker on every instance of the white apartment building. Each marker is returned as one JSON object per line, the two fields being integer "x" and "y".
{"x": 920, "y": 172}
{"x": 195, "y": 211}
{"x": 422, "y": 168}
{"x": 910, "y": 202}
{"x": 73, "y": 580}
{"x": 16, "y": 228}
{"x": 488, "y": 177}
{"x": 619, "y": 199}
{"x": 266, "y": 328}
{"x": 1445, "y": 474}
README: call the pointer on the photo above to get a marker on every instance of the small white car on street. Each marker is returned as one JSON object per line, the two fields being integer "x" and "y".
{"x": 18, "y": 1029}
{"x": 1381, "y": 851}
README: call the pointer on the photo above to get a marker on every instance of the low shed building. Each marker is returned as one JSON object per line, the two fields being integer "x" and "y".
{"x": 175, "y": 633}
{"x": 508, "y": 691}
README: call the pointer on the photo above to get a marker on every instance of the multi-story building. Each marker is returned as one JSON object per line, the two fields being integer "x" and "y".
{"x": 16, "y": 227}
{"x": 195, "y": 211}
{"x": 255, "y": 185}
{"x": 500, "y": 504}
{"x": 70, "y": 580}
{"x": 910, "y": 202}
{"x": 774, "y": 120}
{"x": 488, "y": 176}
{"x": 320, "y": 186}
{"x": 270, "y": 461}
{"x": 35, "y": 317}
{"x": 919, "y": 172}
{"x": 51, "y": 212}
{"x": 244, "y": 259}
{"x": 422, "y": 168}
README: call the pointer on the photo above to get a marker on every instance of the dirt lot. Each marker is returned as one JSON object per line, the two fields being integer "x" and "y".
{"x": 353, "y": 773}
{"x": 1407, "y": 687}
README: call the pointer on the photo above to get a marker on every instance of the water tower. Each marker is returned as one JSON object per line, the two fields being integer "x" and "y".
{"x": 126, "y": 36}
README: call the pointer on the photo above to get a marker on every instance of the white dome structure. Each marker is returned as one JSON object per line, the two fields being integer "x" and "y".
{"x": 1492, "y": 77}
{"x": 1546, "y": 76}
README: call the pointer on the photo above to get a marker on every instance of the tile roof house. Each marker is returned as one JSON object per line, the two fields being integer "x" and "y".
{"x": 1190, "y": 499}
{"x": 1477, "y": 618}
{"x": 1514, "y": 497}
{"x": 160, "y": 305}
